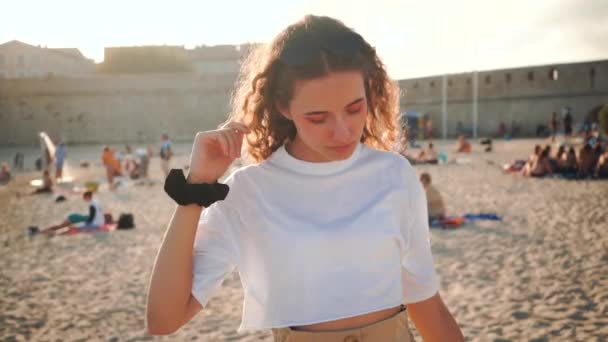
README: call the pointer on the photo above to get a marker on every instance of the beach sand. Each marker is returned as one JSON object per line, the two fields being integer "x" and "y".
{"x": 540, "y": 274}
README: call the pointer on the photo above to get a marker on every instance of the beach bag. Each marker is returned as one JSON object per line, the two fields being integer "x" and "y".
{"x": 125, "y": 221}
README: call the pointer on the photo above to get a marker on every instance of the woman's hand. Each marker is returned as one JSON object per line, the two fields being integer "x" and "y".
{"x": 214, "y": 151}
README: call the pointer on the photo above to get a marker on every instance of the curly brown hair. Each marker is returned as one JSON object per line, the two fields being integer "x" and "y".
{"x": 267, "y": 81}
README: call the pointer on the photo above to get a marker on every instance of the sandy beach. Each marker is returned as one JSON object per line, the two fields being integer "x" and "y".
{"x": 540, "y": 274}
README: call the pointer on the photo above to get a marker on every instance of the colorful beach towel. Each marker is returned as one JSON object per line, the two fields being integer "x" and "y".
{"x": 452, "y": 222}
{"x": 108, "y": 227}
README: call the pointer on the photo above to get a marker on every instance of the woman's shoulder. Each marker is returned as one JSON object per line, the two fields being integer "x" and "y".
{"x": 385, "y": 159}
{"x": 242, "y": 175}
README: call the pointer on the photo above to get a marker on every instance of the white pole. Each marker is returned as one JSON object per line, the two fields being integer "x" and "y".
{"x": 444, "y": 107}
{"x": 475, "y": 84}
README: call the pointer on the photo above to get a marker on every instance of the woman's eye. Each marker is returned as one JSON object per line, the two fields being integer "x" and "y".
{"x": 355, "y": 108}
{"x": 317, "y": 119}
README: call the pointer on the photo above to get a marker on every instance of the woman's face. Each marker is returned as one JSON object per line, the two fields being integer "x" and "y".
{"x": 329, "y": 114}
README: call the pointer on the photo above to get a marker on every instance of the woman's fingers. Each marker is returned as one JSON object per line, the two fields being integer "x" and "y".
{"x": 235, "y": 132}
{"x": 230, "y": 137}
{"x": 224, "y": 144}
{"x": 239, "y": 145}
{"x": 233, "y": 125}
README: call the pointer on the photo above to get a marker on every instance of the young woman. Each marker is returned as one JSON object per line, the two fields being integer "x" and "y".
{"x": 570, "y": 163}
{"x": 541, "y": 166}
{"x": 328, "y": 230}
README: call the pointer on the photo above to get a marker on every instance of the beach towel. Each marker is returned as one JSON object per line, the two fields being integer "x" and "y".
{"x": 108, "y": 227}
{"x": 459, "y": 221}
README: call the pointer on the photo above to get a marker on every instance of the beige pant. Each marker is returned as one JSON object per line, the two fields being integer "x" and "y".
{"x": 392, "y": 329}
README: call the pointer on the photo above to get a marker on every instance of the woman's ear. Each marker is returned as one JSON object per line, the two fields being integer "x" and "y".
{"x": 283, "y": 110}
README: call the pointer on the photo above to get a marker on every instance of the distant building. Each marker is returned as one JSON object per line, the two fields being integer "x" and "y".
{"x": 202, "y": 60}
{"x": 215, "y": 59}
{"x": 21, "y": 60}
{"x": 145, "y": 59}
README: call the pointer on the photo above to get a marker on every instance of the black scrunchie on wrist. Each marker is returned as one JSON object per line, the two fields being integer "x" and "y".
{"x": 184, "y": 193}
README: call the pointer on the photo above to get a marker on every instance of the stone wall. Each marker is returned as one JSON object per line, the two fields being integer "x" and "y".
{"x": 528, "y": 95}
{"x": 108, "y": 109}
{"x": 138, "y": 108}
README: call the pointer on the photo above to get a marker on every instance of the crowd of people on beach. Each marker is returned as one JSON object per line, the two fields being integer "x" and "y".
{"x": 430, "y": 155}
{"x": 128, "y": 163}
{"x": 589, "y": 162}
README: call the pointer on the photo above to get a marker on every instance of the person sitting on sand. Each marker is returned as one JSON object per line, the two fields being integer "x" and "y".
{"x": 540, "y": 167}
{"x": 113, "y": 168}
{"x": 93, "y": 220}
{"x": 559, "y": 159}
{"x": 433, "y": 198}
{"x": 570, "y": 163}
{"x": 430, "y": 154}
{"x": 463, "y": 145}
{"x": 601, "y": 170}
{"x": 47, "y": 184}
{"x": 598, "y": 150}
{"x": 5, "y": 173}
{"x": 129, "y": 160}
{"x": 552, "y": 161}
{"x": 585, "y": 161}
{"x": 531, "y": 160}
{"x": 133, "y": 162}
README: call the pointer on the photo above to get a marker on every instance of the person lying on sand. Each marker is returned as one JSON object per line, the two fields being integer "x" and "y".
{"x": 93, "y": 220}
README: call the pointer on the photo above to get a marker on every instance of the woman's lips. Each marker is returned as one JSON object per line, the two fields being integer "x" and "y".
{"x": 342, "y": 148}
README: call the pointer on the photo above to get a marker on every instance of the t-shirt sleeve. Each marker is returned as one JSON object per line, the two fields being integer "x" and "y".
{"x": 215, "y": 252}
{"x": 418, "y": 271}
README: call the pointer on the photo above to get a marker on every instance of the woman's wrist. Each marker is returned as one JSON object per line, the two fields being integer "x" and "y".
{"x": 194, "y": 179}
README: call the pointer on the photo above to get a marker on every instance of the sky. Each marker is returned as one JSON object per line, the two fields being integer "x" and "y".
{"x": 413, "y": 38}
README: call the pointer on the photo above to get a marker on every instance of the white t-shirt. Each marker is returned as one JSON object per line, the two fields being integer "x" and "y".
{"x": 98, "y": 219}
{"x": 315, "y": 242}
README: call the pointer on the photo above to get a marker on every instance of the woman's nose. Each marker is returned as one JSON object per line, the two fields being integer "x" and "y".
{"x": 341, "y": 131}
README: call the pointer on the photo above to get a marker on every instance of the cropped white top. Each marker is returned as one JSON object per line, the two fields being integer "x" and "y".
{"x": 316, "y": 242}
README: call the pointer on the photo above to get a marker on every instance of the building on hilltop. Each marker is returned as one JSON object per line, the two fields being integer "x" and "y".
{"x": 145, "y": 59}
{"x": 21, "y": 60}
{"x": 201, "y": 60}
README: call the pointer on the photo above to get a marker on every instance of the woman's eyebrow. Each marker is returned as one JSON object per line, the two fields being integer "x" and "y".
{"x": 354, "y": 102}
{"x": 316, "y": 112}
